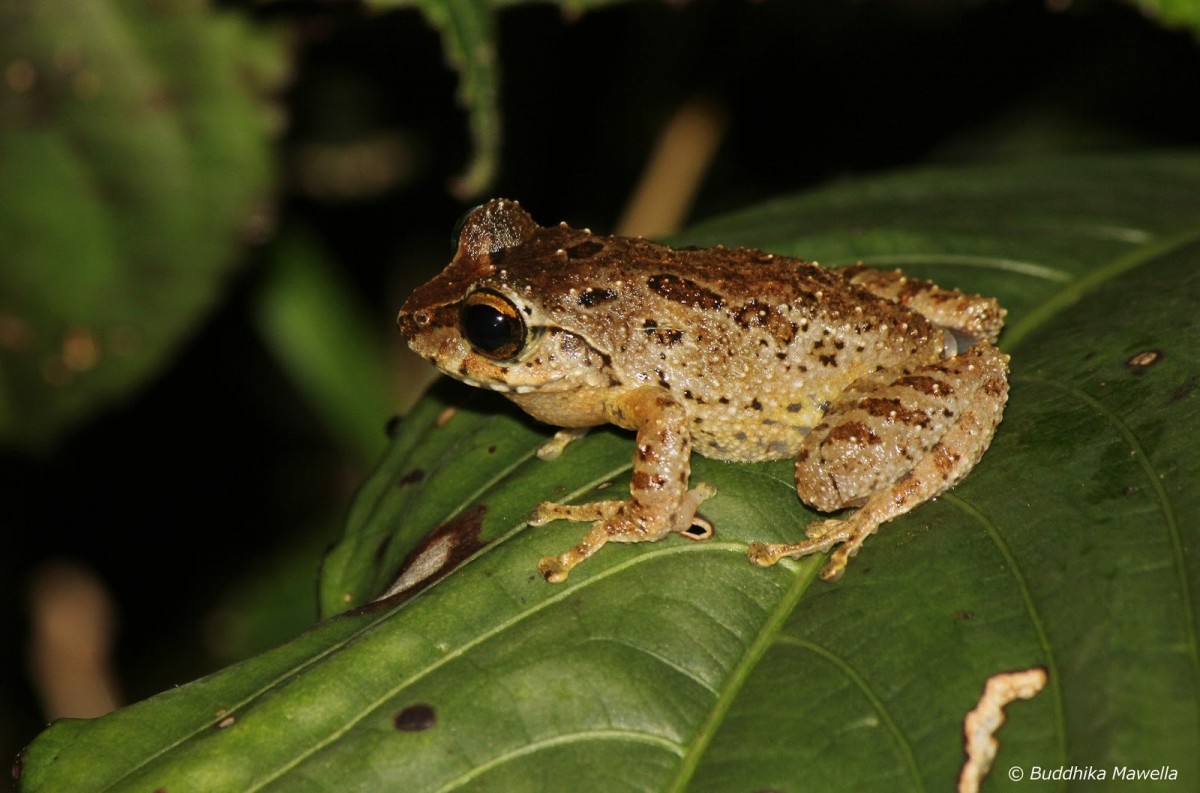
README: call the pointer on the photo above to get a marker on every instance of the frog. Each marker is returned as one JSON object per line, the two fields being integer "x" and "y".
{"x": 885, "y": 390}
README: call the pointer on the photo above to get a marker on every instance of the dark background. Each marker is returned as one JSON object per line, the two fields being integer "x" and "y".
{"x": 203, "y": 502}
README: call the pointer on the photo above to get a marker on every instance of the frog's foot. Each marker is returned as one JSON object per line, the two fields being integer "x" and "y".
{"x": 823, "y": 535}
{"x": 563, "y": 438}
{"x": 619, "y": 521}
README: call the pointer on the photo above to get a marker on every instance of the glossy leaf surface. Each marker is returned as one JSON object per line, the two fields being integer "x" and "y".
{"x": 677, "y": 665}
{"x": 134, "y": 154}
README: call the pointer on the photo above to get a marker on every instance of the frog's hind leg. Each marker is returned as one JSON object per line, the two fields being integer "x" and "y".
{"x": 971, "y": 317}
{"x": 893, "y": 441}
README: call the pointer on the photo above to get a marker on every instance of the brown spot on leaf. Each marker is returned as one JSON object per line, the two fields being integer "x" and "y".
{"x": 446, "y": 546}
{"x": 411, "y": 478}
{"x": 226, "y": 722}
{"x": 1183, "y": 391}
{"x": 415, "y": 718}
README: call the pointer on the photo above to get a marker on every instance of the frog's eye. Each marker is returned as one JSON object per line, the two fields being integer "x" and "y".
{"x": 493, "y": 325}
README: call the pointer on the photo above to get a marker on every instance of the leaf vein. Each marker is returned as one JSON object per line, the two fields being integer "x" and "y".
{"x": 629, "y": 736}
{"x": 565, "y": 591}
{"x": 874, "y": 699}
{"x": 1168, "y": 513}
{"x": 1035, "y": 617}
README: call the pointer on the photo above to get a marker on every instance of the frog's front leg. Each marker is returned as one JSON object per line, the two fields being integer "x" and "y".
{"x": 895, "y": 439}
{"x": 659, "y": 503}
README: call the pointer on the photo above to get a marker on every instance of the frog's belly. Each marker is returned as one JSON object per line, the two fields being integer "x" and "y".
{"x": 749, "y": 441}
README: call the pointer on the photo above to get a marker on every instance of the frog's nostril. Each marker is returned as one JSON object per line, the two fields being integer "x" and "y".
{"x": 422, "y": 319}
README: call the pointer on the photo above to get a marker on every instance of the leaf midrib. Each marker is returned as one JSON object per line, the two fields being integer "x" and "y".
{"x": 804, "y": 573}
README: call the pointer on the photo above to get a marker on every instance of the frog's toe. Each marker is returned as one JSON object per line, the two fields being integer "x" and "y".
{"x": 819, "y": 528}
{"x": 553, "y": 570}
{"x": 548, "y": 511}
{"x": 761, "y": 554}
{"x": 836, "y": 565}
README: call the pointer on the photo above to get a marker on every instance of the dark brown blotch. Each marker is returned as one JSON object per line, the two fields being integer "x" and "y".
{"x": 685, "y": 292}
{"x": 892, "y": 410}
{"x": 411, "y": 478}
{"x": 461, "y": 536}
{"x": 415, "y": 718}
{"x": 925, "y": 385}
{"x": 852, "y": 432}
{"x": 584, "y": 250}
{"x": 593, "y": 297}
{"x": 944, "y": 459}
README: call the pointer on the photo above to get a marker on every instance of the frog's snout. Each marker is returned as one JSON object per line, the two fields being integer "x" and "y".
{"x": 411, "y": 323}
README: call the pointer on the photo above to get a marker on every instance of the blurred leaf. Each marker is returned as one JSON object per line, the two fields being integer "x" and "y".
{"x": 311, "y": 322}
{"x": 677, "y": 665}
{"x": 468, "y": 31}
{"x": 134, "y": 157}
{"x": 1173, "y": 13}
{"x": 272, "y": 601}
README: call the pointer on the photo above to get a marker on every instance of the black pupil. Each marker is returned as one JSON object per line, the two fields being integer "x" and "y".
{"x": 488, "y": 329}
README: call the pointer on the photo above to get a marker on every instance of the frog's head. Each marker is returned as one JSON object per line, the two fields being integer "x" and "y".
{"x": 481, "y": 322}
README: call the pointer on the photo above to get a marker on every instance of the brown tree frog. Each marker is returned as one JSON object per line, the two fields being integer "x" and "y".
{"x": 886, "y": 390}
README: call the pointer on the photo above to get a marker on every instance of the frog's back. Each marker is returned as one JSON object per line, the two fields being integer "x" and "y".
{"x": 755, "y": 345}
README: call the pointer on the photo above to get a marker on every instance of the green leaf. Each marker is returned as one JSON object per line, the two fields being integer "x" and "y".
{"x": 313, "y": 325}
{"x": 134, "y": 151}
{"x": 677, "y": 665}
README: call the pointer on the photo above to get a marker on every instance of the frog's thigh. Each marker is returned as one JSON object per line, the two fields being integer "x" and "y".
{"x": 895, "y": 440}
{"x": 884, "y": 424}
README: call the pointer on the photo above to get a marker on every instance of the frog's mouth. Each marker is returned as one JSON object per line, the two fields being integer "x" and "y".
{"x": 503, "y": 388}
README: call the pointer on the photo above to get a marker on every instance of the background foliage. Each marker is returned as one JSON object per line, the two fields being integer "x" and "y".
{"x": 125, "y": 204}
